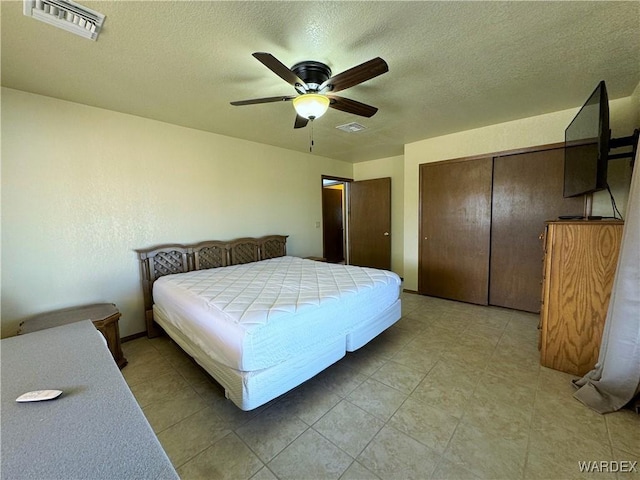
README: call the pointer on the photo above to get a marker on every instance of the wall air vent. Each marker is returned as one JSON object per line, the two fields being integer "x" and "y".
{"x": 352, "y": 127}
{"x": 67, "y": 15}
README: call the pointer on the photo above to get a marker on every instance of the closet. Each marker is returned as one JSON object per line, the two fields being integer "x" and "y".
{"x": 455, "y": 226}
{"x": 481, "y": 221}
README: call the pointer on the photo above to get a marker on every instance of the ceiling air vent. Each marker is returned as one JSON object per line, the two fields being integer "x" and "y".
{"x": 352, "y": 127}
{"x": 67, "y": 15}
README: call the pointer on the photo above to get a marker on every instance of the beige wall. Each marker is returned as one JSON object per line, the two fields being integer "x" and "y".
{"x": 527, "y": 132}
{"x": 389, "y": 167}
{"x": 83, "y": 187}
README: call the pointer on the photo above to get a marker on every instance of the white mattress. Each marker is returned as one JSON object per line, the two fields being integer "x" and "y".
{"x": 253, "y": 316}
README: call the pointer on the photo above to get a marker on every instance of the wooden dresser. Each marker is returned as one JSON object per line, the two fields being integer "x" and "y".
{"x": 579, "y": 266}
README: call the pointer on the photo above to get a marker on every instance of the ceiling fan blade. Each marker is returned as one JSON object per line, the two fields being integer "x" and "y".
{"x": 282, "y": 98}
{"x": 352, "y": 106}
{"x": 361, "y": 73}
{"x": 280, "y": 69}
{"x": 300, "y": 122}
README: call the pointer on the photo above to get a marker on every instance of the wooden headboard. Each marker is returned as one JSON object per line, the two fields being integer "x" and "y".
{"x": 155, "y": 262}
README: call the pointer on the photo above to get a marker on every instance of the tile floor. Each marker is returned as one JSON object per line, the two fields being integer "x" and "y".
{"x": 452, "y": 391}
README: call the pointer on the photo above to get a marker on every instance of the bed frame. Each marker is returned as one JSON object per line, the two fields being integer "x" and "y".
{"x": 161, "y": 260}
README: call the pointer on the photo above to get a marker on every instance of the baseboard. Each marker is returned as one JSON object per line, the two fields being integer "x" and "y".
{"x": 405, "y": 290}
{"x": 135, "y": 336}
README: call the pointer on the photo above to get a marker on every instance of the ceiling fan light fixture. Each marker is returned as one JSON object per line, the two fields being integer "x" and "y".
{"x": 311, "y": 105}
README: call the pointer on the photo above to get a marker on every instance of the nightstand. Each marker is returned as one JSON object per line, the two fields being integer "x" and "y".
{"x": 104, "y": 316}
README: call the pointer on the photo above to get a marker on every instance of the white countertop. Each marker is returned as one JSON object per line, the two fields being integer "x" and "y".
{"x": 94, "y": 430}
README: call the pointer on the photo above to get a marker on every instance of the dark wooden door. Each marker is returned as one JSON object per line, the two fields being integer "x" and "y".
{"x": 332, "y": 224}
{"x": 527, "y": 191}
{"x": 370, "y": 223}
{"x": 455, "y": 206}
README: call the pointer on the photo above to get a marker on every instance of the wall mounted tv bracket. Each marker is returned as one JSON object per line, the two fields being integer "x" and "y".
{"x": 631, "y": 140}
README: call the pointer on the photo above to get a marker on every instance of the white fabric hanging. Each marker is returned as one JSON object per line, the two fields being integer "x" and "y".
{"x": 615, "y": 379}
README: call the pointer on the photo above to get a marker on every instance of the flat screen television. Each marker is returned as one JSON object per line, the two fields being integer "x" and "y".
{"x": 586, "y": 146}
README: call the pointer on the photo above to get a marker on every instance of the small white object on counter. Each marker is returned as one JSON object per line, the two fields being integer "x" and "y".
{"x": 39, "y": 396}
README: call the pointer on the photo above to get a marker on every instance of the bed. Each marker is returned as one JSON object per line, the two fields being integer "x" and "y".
{"x": 258, "y": 321}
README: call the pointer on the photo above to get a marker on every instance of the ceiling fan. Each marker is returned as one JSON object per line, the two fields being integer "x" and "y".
{"x": 315, "y": 86}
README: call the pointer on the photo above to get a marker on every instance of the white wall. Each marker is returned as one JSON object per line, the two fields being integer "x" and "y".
{"x": 389, "y": 167}
{"x": 83, "y": 187}
{"x": 527, "y": 132}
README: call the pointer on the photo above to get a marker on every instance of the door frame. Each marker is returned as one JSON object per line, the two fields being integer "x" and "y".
{"x": 345, "y": 208}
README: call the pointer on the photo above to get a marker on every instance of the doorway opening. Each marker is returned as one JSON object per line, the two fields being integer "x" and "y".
{"x": 335, "y": 227}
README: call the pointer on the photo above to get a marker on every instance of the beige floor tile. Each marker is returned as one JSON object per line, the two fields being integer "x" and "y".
{"x": 549, "y": 457}
{"x": 427, "y": 313}
{"x": 158, "y": 387}
{"x": 523, "y": 331}
{"x": 364, "y": 361}
{"x": 311, "y": 457}
{"x": 162, "y": 414}
{"x": 393, "y": 455}
{"x": 484, "y": 408}
{"x": 377, "y": 398}
{"x": 434, "y": 341}
{"x": 478, "y": 357}
{"x": 515, "y": 350}
{"x": 448, "y": 387}
{"x": 190, "y": 371}
{"x": 392, "y": 340}
{"x": 414, "y": 323}
{"x": 515, "y": 364}
{"x": 164, "y": 344}
{"x": 499, "y": 418}
{"x": 358, "y": 472}
{"x": 428, "y": 425}
{"x": 417, "y": 358}
{"x": 399, "y": 376}
{"x": 624, "y": 430}
{"x": 264, "y": 474}
{"x": 309, "y": 402}
{"x": 228, "y": 459}
{"x": 493, "y": 389}
{"x": 553, "y": 382}
{"x": 457, "y": 322}
{"x": 563, "y": 417}
{"x": 407, "y": 308}
{"x": 269, "y": 432}
{"x": 339, "y": 378}
{"x": 488, "y": 454}
{"x": 349, "y": 427}
{"x": 213, "y": 394}
{"x": 494, "y": 317}
{"x": 139, "y": 351}
{"x": 170, "y": 351}
{"x": 628, "y": 465}
{"x": 446, "y": 470}
{"x": 136, "y": 373}
{"x": 482, "y": 343}
{"x": 487, "y": 333}
{"x": 192, "y": 435}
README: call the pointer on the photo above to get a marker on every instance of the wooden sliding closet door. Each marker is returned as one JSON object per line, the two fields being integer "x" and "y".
{"x": 527, "y": 192}
{"x": 455, "y": 220}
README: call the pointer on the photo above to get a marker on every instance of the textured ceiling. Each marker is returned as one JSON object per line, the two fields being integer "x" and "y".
{"x": 452, "y": 65}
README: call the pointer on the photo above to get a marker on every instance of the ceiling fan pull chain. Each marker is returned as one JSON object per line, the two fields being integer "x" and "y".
{"x": 311, "y": 137}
